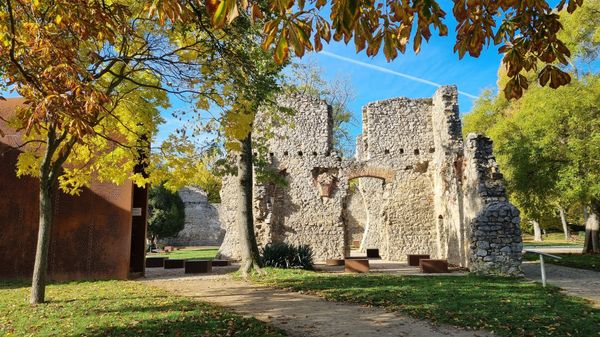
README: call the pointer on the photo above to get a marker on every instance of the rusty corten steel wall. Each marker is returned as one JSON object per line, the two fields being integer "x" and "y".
{"x": 91, "y": 237}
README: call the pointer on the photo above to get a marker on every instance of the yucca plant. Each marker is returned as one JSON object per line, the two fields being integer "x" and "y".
{"x": 287, "y": 256}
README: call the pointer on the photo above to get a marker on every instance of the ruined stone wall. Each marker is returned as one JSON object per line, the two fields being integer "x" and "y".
{"x": 423, "y": 191}
{"x": 355, "y": 216}
{"x": 492, "y": 223}
{"x": 397, "y": 134}
{"x": 375, "y": 192}
{"x": 447, "y": 176}
{"x": 202, "y": 226}
{"x": 308, "y": 208}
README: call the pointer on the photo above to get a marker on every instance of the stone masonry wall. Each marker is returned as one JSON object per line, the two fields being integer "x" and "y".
{"x": 397, "y": 134}
{"x": 447, "y": 176}
{"x": 308, "y": 209}
{"x": 355, "y": 216}
{"x": 423, "y": 191}
{"x": 202, "y": 225}
{"x": 492, "y": 223}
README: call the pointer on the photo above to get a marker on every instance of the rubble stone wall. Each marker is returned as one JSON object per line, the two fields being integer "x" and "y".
{"x": 492, "y": 223}
{"x": 355, "y": 217}
{"x": 423, "y": 192}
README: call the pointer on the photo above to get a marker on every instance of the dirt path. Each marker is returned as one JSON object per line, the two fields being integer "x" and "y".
{"x": 303, "y": 315}
{"x": 576, "y": 282}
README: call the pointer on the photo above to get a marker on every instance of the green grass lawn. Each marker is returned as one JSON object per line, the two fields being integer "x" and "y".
{"x": 553, "y": 239}
{"x": 117, "y": 308}
{"x": 507, "y": 306}
{"x": 189, "y": 254}
{"x": 588, "y": 261}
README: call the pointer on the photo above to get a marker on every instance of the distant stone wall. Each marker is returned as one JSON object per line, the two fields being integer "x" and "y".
{"x": 202, "y": 224}
{"x": 422, "y": 191}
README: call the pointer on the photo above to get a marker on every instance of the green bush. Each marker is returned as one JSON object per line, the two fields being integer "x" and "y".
{"x": 166, "y": 213}
{"x": 287, "y": 256}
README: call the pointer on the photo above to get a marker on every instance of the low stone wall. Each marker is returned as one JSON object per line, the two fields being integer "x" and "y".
{"x": 496, "y": 240}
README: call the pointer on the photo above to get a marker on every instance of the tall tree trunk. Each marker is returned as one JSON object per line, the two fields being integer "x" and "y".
{"x": 537, "y": 231}
{"x": 49, "y": 170}
{"x": 245, "y": 215}
{"x": 591, "y": 244}
{"x": 46, "y": 197}
{"x": 38, "y": 283}
{"x": 563, "y": 220}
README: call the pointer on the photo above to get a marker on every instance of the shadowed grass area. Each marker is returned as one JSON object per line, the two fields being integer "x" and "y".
{"x": 507, "y": 306}
{"x": 209, "y": 253}
{"x": 587, "y": 261}
{"x": 117, "y": 308}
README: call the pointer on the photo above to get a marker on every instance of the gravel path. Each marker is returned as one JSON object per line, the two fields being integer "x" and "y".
{"x": 301, "y": 315}
{"x": 576, "y": 282}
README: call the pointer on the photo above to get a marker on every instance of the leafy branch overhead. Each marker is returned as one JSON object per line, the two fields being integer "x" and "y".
{"x": 526, "y": 31}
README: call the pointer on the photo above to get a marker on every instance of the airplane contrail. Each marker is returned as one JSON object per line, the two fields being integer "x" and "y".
{"x": 396, "y": 73}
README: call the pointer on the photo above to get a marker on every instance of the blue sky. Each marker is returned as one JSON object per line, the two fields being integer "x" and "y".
{"x": 435, "y": 63}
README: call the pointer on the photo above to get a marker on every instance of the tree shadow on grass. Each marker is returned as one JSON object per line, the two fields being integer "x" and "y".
{"x": 202, "y": 324}
{"x": 508, "y": 306}
{"x": 14, "y": 284}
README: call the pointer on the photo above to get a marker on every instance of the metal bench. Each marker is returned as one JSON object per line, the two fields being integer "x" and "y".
{"x": 198, "y": 266}
{"x": 174, "y": 263}
{"x": 334, "y": 262}
{"x": 413, "y": 259}
{"x": 221, "y": 263}
{"x": 155, "y": 261}
{"x": 356, "y": 265}
{"x": 433, "y": 266}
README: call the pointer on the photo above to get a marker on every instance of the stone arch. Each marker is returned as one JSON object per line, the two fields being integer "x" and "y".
{"x": 386, "y": 174}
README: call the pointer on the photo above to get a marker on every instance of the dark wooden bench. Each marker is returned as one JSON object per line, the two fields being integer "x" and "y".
{"x": 221, "y": 263}
{"x": 433, "y": 266}
{"x": 174, "y": 263}
{"x": 155, "y": 261}
{"x": 413, "y": 259}
{"x": 356, "y": 265}
{"x": 198, "y": 266}
{"x": 334, "y": 262}
{"x": 373, "y": 253}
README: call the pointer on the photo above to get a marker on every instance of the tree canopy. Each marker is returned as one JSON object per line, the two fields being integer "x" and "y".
{"x": 527, "y": 32}
{"x": 548, "y": 142}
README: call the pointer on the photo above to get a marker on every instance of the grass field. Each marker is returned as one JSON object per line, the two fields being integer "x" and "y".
{"x": 588, "y": 261}
{"x": 117, "y": 308}
{"x": 507, "y": 306}
{"x": 553, "y": 239}
{"x": 189, "y": 254}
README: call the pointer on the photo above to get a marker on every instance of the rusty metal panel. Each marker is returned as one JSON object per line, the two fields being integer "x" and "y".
{"x": 91, "y": 236}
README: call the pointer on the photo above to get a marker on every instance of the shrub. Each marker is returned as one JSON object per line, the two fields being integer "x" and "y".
{"x": 166, "y": 213}
{"x": 287, "y": 256}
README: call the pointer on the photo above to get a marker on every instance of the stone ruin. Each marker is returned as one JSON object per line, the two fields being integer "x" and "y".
{"x": 419, "y": 188}
{"x": 202, "y": 226}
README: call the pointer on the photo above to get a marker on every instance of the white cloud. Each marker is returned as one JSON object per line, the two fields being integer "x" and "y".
{"x": 392, "y": 72}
